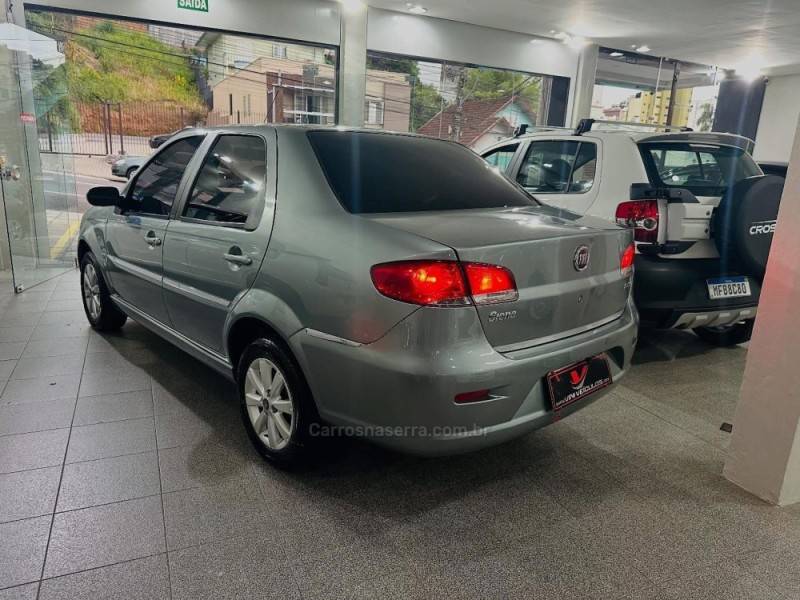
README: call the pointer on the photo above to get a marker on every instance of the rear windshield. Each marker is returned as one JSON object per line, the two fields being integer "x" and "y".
{"x": 382, "y": 173}
{"x": 703, "y": 169}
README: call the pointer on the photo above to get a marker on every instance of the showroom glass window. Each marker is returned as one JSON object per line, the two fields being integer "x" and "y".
{"x": 470, "y": 104}
{"x": 229, "y": 188}
{"x": 156, "y": 185}
{"x": 638, "y": 88}
{"x": 559, "y": 167}
{"x": 127, "y": 82}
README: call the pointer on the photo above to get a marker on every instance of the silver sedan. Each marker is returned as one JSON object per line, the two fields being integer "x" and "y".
{"x": 389, "y": 286}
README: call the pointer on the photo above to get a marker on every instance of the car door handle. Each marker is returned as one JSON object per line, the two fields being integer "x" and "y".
{"x": 152, "y": 239}
{"x": 238, "y": 259}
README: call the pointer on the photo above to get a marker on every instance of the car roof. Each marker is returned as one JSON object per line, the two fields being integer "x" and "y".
{"x": 691, "y": 137}
{"x": 295, "y": 129}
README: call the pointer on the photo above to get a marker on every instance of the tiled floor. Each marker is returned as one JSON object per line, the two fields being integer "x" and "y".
{"x": 124, "y": 473}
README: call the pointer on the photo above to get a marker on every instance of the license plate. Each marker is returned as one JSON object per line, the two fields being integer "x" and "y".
{"x": 728, "y": 287}
{"x": 572, "y": 383}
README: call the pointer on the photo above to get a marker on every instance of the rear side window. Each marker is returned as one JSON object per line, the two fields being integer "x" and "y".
{"x": 383, "y": 173}
{"x": 559, "y": 167}
{"x": 703, "y": 169}
{"x": 501, "y": 157}
{"x": 157, "y": 184}
{"x": 230, "y": 186}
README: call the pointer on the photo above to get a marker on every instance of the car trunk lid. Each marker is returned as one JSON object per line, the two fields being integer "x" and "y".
{"x": 558, "y": 296}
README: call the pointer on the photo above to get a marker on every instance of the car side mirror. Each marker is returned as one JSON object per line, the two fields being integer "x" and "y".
{"x": 104, "y": 196}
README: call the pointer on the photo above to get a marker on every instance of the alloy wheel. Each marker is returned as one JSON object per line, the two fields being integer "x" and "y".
{"x": 91, "y": 291}
{"x": 269, "y": 404}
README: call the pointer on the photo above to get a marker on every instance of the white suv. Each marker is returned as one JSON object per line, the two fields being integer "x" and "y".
{"x": 703, "y": 212}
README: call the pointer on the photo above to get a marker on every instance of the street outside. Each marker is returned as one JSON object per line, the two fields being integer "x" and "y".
{"x": 66, "y": 180}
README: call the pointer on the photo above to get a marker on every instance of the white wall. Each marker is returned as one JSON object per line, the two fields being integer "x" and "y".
{"x": 303, "y": 20}
{"x": 779, "y": 116}
{"x": 426, "y": 37}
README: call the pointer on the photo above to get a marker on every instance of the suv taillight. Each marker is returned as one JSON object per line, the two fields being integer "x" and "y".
{"x": 642, "y": 216}
{"x": 444, "y": 282}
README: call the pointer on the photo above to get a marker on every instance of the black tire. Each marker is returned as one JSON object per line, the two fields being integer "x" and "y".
{"x": 109, "y": 317}
{"x": 739, "y": 333}
{"x": 298, "y": 445}
{"x": 129, "y": 173}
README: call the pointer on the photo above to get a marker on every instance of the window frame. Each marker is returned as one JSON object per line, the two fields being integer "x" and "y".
{"x": 566, "y": 192}
{"x": 497, "y": 149}
{"x": 255, "y": 217}
{"x": 129, "y": 204}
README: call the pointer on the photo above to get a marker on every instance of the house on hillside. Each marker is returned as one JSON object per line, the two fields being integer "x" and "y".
{"x": 263, "y": 81}
{"x": 483, "y": 122}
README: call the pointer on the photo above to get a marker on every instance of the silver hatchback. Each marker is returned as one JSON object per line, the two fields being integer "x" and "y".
{"x": 390, "y": 286}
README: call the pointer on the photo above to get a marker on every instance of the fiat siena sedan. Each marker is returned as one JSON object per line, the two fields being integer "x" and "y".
{"x": 391, "y": 286}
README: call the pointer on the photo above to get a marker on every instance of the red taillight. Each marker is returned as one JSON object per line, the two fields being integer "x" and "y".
{"x": 422, "y": 282}
{"x": 626, "y": 261}
{"x": 476, "y": 396}
{"x": 642, "y": 216}
{"x": 489, "y": 284}
{"x": 443, "y": 282}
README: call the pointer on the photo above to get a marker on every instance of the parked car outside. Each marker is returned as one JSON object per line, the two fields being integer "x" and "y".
{"x": 702, "y": 211}
{"x": 388, "y": 284}
{"x": 127, "y": 166}
{"x": 158, "y": 140}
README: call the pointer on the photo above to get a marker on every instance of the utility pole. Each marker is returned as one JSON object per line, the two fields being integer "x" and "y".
{"x": 458, "y": 115}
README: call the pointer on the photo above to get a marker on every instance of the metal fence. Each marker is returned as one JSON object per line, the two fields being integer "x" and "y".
{"x": 104, "y": 129}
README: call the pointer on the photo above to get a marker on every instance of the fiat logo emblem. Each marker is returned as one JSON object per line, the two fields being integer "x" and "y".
{"x": 581, "y": 259}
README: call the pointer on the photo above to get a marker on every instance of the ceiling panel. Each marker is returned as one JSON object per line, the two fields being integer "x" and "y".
{"x": 728, "y": 33}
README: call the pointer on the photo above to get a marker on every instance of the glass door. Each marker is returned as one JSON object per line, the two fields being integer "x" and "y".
{"x": 38, "y": 186}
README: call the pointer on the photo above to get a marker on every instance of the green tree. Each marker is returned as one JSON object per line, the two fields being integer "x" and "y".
{"x": 706, "y": 119}
{"x": 426, "y": 102}
{"x": 492, "y": 84}
{"x": 381, "y": 62}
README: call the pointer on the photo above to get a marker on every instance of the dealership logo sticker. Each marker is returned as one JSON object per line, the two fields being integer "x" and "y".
{"x": 201, "y": 5}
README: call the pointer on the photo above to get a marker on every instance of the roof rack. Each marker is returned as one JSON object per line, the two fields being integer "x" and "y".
{"x": 525, "y": 129}
{"x": 586, "y": 125}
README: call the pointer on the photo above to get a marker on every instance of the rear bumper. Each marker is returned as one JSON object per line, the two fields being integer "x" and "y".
{"x": 673, "y": 293}
{"x": 399, "y": 392}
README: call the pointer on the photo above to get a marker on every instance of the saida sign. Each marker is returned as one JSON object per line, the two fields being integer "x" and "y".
{"x": 201, "y": 5}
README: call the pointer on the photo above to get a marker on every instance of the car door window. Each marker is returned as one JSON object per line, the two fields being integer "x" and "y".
{"x": 501, "y": 157}
{"x": 229, "y": 188}
{"x": 156, "y": 185}
{"x": 548, "y": 166}
{"x": 585, "y": 169}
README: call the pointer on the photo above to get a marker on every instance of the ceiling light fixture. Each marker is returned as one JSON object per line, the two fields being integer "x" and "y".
{"x": 643, "y": 48}
{"x": 616, "y": 54}
{"x": 416, "y": 9}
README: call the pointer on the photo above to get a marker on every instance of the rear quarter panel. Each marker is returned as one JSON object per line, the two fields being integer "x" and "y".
{"x": 317, "y": 266}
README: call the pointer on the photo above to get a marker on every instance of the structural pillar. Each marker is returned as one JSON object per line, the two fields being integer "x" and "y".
{"x": 764, "y": 456}
{"x": 353, "y": 63}
{"x": 584, "y": 83}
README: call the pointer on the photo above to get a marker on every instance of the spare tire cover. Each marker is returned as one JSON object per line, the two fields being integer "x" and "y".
{"x": 744, "y": 223}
